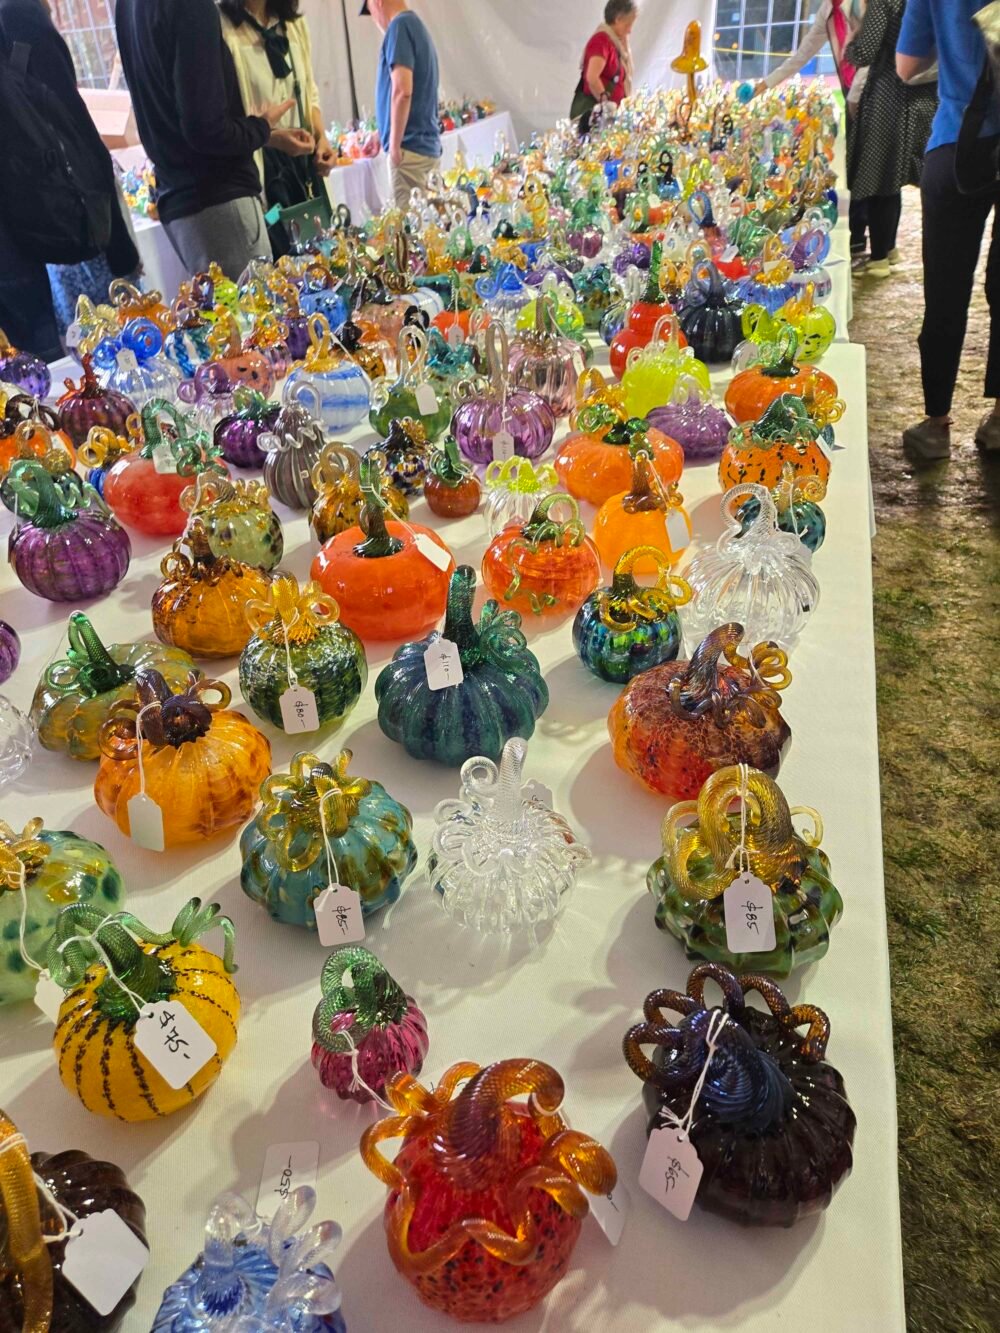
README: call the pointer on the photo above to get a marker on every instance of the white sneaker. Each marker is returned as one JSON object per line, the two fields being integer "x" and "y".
{"x": 878, "y": 268}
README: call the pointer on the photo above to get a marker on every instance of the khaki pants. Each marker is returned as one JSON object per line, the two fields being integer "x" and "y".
{"x": 411, "y": 174}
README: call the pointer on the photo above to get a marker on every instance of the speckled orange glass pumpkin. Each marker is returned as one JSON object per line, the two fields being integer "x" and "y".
{"x": 544, "y": 567}
{"x": 201, "y": 763}
{"x": 647, "y": 514}
{"x": 758, "y": 451}
{"x": 200, "y": 604}
{"x": 595, "y": 463}
{"x": 752, "y": 391}
{"x": 94, "y": 1040}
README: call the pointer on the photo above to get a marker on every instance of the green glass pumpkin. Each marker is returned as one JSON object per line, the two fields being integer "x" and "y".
{"x": 628, "y": 628}
{"x": 501, "y": 695}
{"x": 299, "y": 640}
{"x": 75, "y": 695}
{"x": 287, "y": 860}
{"x": 58, "y": 869}
{"x": 238, "y": 520}
{"x": 405, "y": 397}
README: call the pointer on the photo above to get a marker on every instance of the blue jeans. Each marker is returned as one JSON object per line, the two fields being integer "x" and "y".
{"x": 26, "y": 312}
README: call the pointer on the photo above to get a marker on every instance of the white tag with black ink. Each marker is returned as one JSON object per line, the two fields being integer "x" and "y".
{"x": 298, "y": 710}
{"x": 163, "y": 458}
{"x": 103, "y": 1258}
{"x": 430, "y": 550}
{"x": 170, "y": 1039}
{"x": 677, "y": 530}
{"x": 456, "y": 337}
{"x": 443, "y": 665}
{"x": 49, "y": 997}
{"x": 339, "y": 918}
{"x": 671, "y": 1171}
{"x": 145, "y": 822}
{"x": 503, "y": 446}
{"x": 537, "y": 791}
{"x": 611, "y": 1211}
{"x": 749, "y": 911}
{"x": 427, "y": 402}
{"x": 287, "y": 1166}
{"x": 125, "y": 359}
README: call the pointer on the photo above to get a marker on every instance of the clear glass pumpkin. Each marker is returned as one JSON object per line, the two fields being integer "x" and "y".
{"x": 515, "y": 487}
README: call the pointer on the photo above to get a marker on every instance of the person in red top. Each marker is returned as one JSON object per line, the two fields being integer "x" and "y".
{"x": 607, "y": 63}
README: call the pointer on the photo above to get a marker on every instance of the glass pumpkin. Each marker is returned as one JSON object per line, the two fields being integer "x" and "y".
{"x": 75, "y": 694}
{"x": 815, "y": 327}
{"x": 642, "y": 318}
{"x": 786, "y": 436}
{"x": 34, "y": 1293}
{"x": 132, "y": 365}
{"x": 365, "y": 1028}
{"x": 237, "y": 435}
{"x": 130, "y": 303}
{"x": 520, "y": 412}
{"x": 57, "y": 868}
{"x": 336, "y": 479}
{"x": 487, "y": 1194}
{"x": 102, "y": 449}
{"x": 200, "y": 763}
{"x": 213, "y": 386}
{"x": 10, "y": 651}
{"x": 755, "y": 574}
{"x": 29, "y": 429}
{"x": 291, "y": 453}
{"x": 693, "y": 420}
{"x": 403, "y": 458}
{"x": 23, "y": 370}
{"x": 385, "y": 586}
{"x": 237, "y": 518}
{"x": 199, "y": 603}
{"x": 264, "y": 1277}
{"x": 86, "y": 405}
{"x": 94, "y": 959}
{"x": 17, "y": 738}
{"x": 674, "y": 726}
{"x": 501, "y": 860}
{"x": 545, "y": 362}
{"x": 711, "y": 321}
{"x": 772, "y": 1125}
{"x": 796, "y": 500}
{"x": 416, "y": 394}
{"x": 647, "y": 514}
{"x": 653, "y": 372}
{"x": 504, "y": 295}
{"x": 596, "y": 463}
{"x": 319, "y": 825}
{"x": 329, "y": 384}
{"x": 703, "y": 854}
{"x": 629, "y": 628}
{"x": 501, "y": 693}
{"x": 144, "y": 488}
{"x": 452, "y": 489}
{"x": 752, "y": 391}
{"x": 545, "y": 567}
{"x": 297, "y": 640}
{"x": 515, "y": 487}
{"x": 66, "y": 547}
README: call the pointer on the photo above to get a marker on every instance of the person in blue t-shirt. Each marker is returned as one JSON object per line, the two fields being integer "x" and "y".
{"x": 406, "y": 97}
{"x": 954, "y": 218}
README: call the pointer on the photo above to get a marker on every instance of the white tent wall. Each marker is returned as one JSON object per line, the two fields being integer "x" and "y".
{"x": 522, "y": 54}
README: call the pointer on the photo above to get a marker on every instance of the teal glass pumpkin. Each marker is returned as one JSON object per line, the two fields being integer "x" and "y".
{"x": 298, "y": 640}
{"x": 628, "y": 628}
{"x": 501, "y": 694}
{"x": 58, "y": 869}
{"x": 238, "y": 520}
{"x": 797, "y": 514}
{"x": 318, "y": 825}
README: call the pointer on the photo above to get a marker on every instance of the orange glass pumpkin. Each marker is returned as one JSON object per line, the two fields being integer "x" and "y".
{"x": 130, "y": 303}
{"x": 29, "y": 429}
{"x": 200, "y": 604}
{"x": 201, "y": 764}
{"x": 759, "y": 451}
{"x": 543, "y": 567}
{"x": 752, "y": 391}
{"x": 647, "y": 514}
{"x": 384, "y": 584}
{"x": 596, "y": 462}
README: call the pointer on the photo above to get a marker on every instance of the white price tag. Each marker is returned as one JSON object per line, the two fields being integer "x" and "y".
{"x": 443, "y": 665}
{"x": 49, "y": 997}
{"x": 339, "y": 918}
{"x": 828, "y": 447}
{"x": 611, "y": 1211}
{"x": 163, "y": 459}
{"x": 678, "y": 533}
{"x": 430, "y": 550}
{"x": 537, "y": 791}
{"x": 287, "y": 1166}
{"x": 455, "y": 336}
{"x": 503, "y": 446}
{"x": 103, "y": 1258}
{"x": 427, "y": 402}
{"x": 170, "y": 1039}
{"x": 298, "y": 710}
{"x": 145, "y": 822}
{"x": 671, "y": 1171}
{"x": 749, "y": 911}
{"x": 126, "y": 360}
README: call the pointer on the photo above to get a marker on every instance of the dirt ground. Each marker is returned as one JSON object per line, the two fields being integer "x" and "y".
{"x": 936, "y": 622}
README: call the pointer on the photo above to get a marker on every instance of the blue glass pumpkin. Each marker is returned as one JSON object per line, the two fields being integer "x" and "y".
{"x": 501, "y": 694}
{"x": 330, "y": 385}
{"x": 318, "y": 825}
{"x": 626, "y": 629}
{"x": 796, "y": 499}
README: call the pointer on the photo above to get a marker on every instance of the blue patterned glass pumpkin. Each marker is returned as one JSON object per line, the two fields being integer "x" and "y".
{"x": 331, "y": 387}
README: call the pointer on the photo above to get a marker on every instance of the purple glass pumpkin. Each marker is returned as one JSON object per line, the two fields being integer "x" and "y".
{"x": 365, "y": 1029}
{"x": 635, "y": 255}
{"x": 525, "y": 415}
{"x": 698, "y": 426}
{"x": 586, "y": 241}
{"x": 86, "y": 405}
{"x": 24, "y": 370}
{"x": 545, "y": 362}
{"x": 10, "y": 650}
{"x": 237, "y": 434}
{"x": 68, "y": 547}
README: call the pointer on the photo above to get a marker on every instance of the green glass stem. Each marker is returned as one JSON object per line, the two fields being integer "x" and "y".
{"x": 96, "y": 670}
{"x": 371, "y": 994}
{"x": 652, "y": 294}
{"x": 459, "y": 628}
{"x": 37, "y": 496}
{"x": 378, "y": 541}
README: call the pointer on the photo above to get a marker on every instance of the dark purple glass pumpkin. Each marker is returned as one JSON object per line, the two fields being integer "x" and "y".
{"x": 710, "y": 319}
{"x": 772, "y": 1125}
{"x": 67, "y": 547}
{"x": 86, "y": 405}
{"x": 237, "y": 434}
{"x": 10, "y": 650}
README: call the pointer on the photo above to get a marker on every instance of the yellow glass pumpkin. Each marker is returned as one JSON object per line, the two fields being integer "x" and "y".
{"x": 339, "y": 501}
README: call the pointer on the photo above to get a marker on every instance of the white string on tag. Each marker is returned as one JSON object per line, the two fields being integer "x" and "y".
{"x": 138, "y": 744}
{"x": 23, "y": 887}
{"x": 66, "y": 1216}
{"x": 716, "y": 1023}
{"x": 92, "y": 939}
{"x": 293, "y": 679}
{"x": 356, "y": 1080}
{"x": 332, "y": 871}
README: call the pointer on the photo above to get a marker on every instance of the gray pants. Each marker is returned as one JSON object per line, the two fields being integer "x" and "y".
{"x": 411, "y": 174}
{"x": 232, "y": 234}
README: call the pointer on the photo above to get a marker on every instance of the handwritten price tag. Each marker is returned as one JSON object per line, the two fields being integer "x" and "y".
{"x": 503, "y": 446}
{"x": 443, "y": 665}
{"x": 145, "y": 822}
{"x": 103, "y": 1257}
{"x": 163, "y": 459}
{"x": 749, "y": 911}
{"x": 537, "y": 791}
{"x": 49, "y": 997}
{"x": 455, "y": 336}
{"x": 126, "y": 360}
{"x": 430, "y": 550}
{"x": 671, "y": 1171}
{"x": 298, "y": 710}
{"x": 172, "y": 1041}
{"x": 339, "y": 918}
{"x": 611, "y": 1211}
{"x": 287, "y": 1167}
{"x": 427, "y": 402}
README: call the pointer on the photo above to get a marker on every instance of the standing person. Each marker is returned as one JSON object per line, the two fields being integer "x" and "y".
{"x": 271, "y": 47}
{"x": 893, "y": 124}
{"x": 193, "y": 126}
{"x": 28, "y": 301}
{"x": 607, "y": 68}
{"x": 406, "y": 97}
{"x": 836, "y": 22}
{"x": 959, "y": 192}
